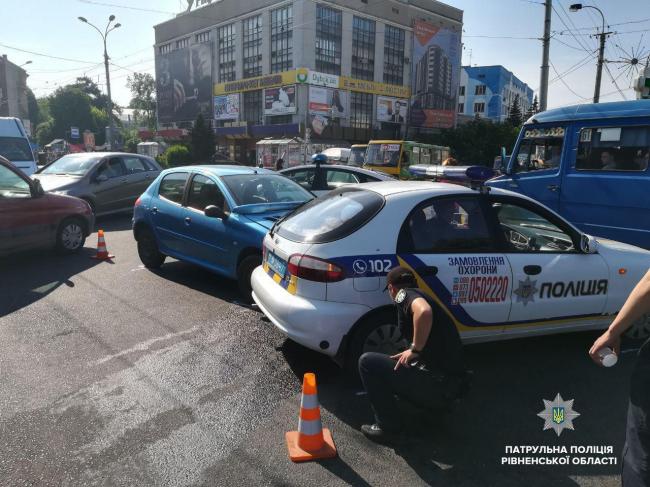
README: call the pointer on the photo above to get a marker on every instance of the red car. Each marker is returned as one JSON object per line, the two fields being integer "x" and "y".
{"x": 31, "y": 218}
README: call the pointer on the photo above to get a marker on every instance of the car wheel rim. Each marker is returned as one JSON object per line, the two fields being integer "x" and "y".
{"x": 385, "y": 339}
{"x": 71, "y": 236}
{"x": 640, "y": 328}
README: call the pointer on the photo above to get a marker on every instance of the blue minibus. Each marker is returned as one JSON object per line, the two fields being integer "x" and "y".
{"x": 590, "y": 163}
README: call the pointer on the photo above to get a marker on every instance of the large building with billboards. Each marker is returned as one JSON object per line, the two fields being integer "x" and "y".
{"x": 335, "y": 72}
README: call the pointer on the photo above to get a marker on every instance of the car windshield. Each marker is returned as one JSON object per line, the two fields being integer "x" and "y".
{"x": 72, "y": 164}
{"x": 331, "y": 217}
{"x": 12, "y": 185}
{"x": 15, "y": 149}
{"x": 383, "y": 154}
{"x": 251, "y": 189}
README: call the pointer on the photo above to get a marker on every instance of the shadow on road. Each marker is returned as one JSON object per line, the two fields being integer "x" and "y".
{"x": 511, "y": 379}
{"x": 114, "y": 223}
{"x": 36, "y": 274}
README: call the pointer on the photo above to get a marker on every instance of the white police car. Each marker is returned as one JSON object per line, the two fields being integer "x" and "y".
{"x": 500, "y": 264}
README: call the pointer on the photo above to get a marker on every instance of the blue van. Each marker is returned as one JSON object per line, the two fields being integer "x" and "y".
{"x": 590, "y": 163}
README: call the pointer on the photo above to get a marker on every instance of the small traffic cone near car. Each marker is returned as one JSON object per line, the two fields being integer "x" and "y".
{"x": 102, "y": 251}
{"x": 311, "y": 441}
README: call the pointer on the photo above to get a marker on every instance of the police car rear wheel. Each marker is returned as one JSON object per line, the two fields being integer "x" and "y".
{"x": 244, "y": 271}
{"x": 377, "y": 332}
{"x": 640, "y": 329}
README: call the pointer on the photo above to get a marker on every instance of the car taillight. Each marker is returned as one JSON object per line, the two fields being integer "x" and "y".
{"x": 314, "y": 269}
{"x": 138, "y": 202}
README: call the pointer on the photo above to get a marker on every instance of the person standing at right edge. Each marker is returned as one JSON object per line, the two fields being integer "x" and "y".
{"x": 636, "y": 453}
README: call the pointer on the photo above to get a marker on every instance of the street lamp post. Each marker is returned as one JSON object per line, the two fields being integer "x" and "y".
{"x": 104, "y": 35}
{"x": 25, "y": 64}
{"x": 601, "y": 53}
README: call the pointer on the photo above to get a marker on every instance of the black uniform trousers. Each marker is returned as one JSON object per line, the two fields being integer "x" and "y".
{"x": 636, "y": 453}
{"x": 419, "y": 386}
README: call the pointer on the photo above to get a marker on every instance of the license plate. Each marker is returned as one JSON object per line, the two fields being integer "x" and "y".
{"x": 276, "y": 263}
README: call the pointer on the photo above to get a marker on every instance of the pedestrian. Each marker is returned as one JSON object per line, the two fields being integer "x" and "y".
{"x": 636, "y": 453}
{"x": 429, "y": 374}
{"x": 450, "y": 161}
{"x": 320, "y": 179}
{"x": 279, "y": 164}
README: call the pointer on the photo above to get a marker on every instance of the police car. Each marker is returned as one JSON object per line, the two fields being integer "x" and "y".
{"x": 498, "y": 263}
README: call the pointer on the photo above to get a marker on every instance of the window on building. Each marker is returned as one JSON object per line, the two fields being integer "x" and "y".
{"x": 165, "y": 48}
{"x": 328, "y": 40}
{"x": 202, "y": 37}
{"x": 461, "y": 91}
{"x": 252, "y": 43}
{"x": 227, "y": 61}
{"x": 461, "y": 108}
{"x": 360, "y": 110}
{"x": 363, "y": 48}
{"x": 394, "y": 55}
{"x": 479, "y": 90}
{"x": 181, "y": 43}
{"x": 281, "y": 39}
{"x": 479, "y": 107}
{"x": 253, "y": 107}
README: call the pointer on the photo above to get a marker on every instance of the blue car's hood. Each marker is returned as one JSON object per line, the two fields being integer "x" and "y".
{"x": 265, "y": 214}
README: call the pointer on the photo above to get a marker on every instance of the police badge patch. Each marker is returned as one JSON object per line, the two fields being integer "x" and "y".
{"x": 399, "y": 297}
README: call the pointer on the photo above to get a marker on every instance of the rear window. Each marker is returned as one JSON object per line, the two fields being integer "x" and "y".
{"x": 15, "y": 149}
{"x": 332, "y": 217}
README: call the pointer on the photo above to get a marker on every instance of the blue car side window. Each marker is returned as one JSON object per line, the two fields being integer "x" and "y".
{"x": 204, "y": 192}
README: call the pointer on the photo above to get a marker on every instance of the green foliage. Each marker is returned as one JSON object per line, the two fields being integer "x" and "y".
{"x": 178, "y": 155}
{"x": 143, "y": 90}
{"x": 478, "y": 141}
{"x": 162, "y": 160}
{"x": 45, "y": 132}
{"x": 202, "y": 137}
{"x": 515, "y": 116}
{"x": 32, "y": 109}
{"x": 131, "y": 140}
{"x": 70, "y": 107}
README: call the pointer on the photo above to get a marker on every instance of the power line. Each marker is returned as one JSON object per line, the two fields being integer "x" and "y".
{"x": 127, "y": 7}
{"x": 46, "y": 55}
{"x": 565, "y": 83}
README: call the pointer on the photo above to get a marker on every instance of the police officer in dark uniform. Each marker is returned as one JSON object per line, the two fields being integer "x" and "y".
{"x": 636, "y": 453}
{"x": 428, "y": 374}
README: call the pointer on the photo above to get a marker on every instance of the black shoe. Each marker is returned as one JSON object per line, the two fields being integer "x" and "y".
{"x": 375, "y": 433}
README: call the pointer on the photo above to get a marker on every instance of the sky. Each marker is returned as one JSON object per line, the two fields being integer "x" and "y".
{"x": 502, "y": 32}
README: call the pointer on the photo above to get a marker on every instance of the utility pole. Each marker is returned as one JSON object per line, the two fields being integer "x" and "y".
{"x": 601, "y": 52}
{"x": 546, "y": 42}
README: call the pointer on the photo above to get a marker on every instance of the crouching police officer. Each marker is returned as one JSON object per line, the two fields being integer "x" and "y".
{"x": 429, "y": 374}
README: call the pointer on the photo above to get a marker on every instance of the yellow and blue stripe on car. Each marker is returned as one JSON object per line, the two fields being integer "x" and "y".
{"x": 289, "y": 283}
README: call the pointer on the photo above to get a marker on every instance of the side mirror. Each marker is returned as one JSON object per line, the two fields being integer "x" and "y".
{"x": 38, "y": 189}
{"x": 101, "y": 178}
{"x": 588, "y": 244}
{"x": 213, "y": 211}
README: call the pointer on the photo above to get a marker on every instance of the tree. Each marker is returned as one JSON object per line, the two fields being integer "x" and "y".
{"x": 143, "y": 89}
{"x": 70, "y": 107}
{"x": 478, "y": 141}
{"x": 515, "y": 116}
{"x": 535, "y": 105}
{"x": 178, "y": 155}
{"x": 33, "y": 110}
{"x": 202, "y": 138}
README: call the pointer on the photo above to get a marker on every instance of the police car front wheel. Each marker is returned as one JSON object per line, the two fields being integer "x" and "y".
{"x": 640, "y": 329}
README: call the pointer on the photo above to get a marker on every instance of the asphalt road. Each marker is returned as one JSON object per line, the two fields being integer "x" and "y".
{"x": 111, "y": 374}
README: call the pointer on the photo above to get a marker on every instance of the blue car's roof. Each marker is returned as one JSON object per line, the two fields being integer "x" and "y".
{"x": 591, "y": 111}
{"x": 218, "y": 170}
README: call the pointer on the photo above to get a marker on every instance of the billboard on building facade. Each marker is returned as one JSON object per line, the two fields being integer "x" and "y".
{"x": 329, "y": 102}
{"x": 184, "y": 84}
{"x": 393, "y": 110}
{"x": 280, "y": 101}
{"x": 435, "y": 75}
{"x": 226, "y": 107}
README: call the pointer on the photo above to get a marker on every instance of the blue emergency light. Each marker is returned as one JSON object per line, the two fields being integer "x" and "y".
{"x": 453, "y": 173}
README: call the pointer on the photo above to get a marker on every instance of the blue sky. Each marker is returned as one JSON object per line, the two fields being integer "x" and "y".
{"x": 51, "y": 27}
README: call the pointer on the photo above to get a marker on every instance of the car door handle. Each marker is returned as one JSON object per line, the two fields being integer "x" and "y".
{"x": 146, "y": 176}
{"x": 553, "y": 187}
{"x": 532, "y": 270}
{"x": 427, "y": 271}
{"x": 188, "y": 220}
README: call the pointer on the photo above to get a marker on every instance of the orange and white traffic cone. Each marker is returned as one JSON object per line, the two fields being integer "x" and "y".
{"x": 311, "y": 441}
{"x": 102, "y": 251}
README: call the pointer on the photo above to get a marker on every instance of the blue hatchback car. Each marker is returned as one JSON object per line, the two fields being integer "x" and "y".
{"x": 213, "y": 216}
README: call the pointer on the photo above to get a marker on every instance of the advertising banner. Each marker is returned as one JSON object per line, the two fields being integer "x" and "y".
{"x": 329, "y": 102}
{"x": 226, "y": 107}
{"x": 260, "y": 82}
{"x": 393, "y": 110}
{"x": 184, "y": 84}
{"x": 323, "y": 79}
{"x": 435, "y": 75}
{"x": 280, "y": 101}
